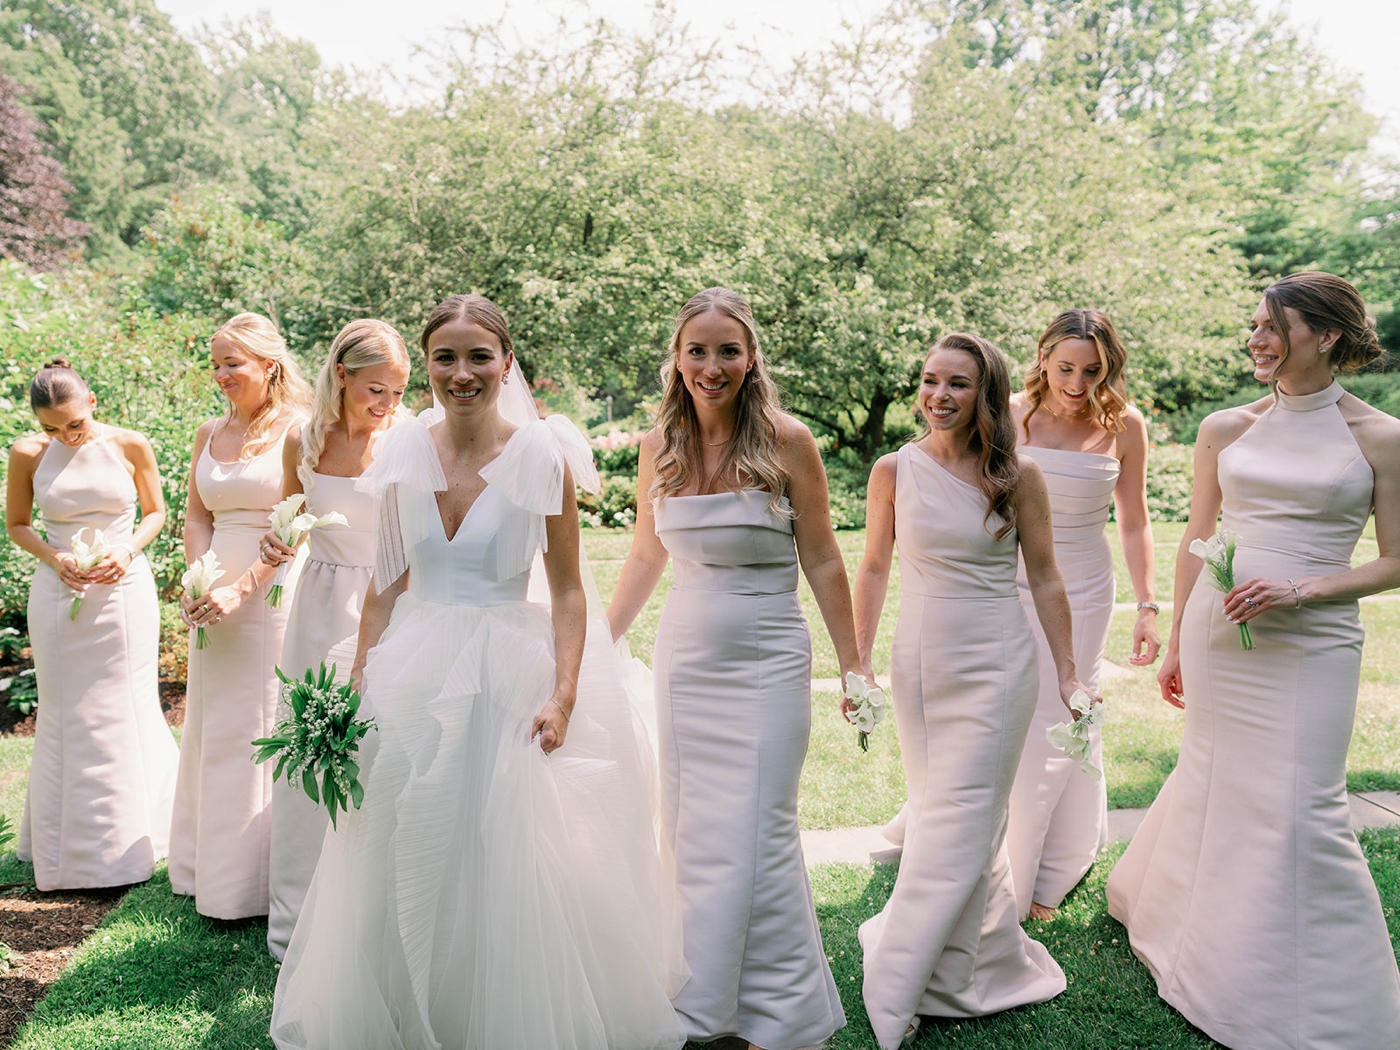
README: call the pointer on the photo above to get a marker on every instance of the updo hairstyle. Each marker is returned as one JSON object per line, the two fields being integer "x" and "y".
{"x": 1325, "y": 301}
{"x": 56, "y": 384}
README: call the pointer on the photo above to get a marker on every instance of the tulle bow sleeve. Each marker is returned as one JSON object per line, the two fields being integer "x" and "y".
{"x": 405, "y": 462}
{"x": 529, "y": 473}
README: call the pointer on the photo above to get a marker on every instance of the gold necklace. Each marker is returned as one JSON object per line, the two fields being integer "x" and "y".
{"x": 714, "y": 444}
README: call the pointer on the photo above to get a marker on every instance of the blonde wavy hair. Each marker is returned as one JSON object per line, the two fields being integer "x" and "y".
{"x": 360, "y": 345}
{"x": 1109, "y": 398}
{"x": 752, "y": 453}
{"x": 286, "y": 388}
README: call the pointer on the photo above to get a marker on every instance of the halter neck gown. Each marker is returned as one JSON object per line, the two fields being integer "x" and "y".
{"x": 1059, "y": 813}
{"x": 1245, "y": 891}
{"x": 733, "y": 667}
{"x": 963, "y": 678}
{"x": 103, "y": 775}
{"x": 324, "y": 616}
{"x": 221, "y": 833}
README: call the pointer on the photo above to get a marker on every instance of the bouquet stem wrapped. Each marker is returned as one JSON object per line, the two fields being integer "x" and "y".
{"x": 88, "y": 555}
{"x": 319, "y": 739}
{"x": 291, "y": 528}
{"x": 198, "y": 580}
{"x": 1073, "y": 737}
{"x": 1219, "y": 555}
{"x": 867, "y": 708}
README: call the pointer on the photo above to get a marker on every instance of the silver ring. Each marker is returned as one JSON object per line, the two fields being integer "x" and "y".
{"x": 1250, "y": 602}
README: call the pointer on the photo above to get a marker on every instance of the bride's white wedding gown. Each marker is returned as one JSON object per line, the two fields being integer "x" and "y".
{"x": 485, "y": 896}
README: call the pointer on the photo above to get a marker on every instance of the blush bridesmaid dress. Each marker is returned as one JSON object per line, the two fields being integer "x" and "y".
{"x": 964, "y": 683}
{"x": 1245, "y": 891}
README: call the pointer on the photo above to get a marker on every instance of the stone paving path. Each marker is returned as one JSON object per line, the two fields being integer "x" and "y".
{"x": 1370, "y": 809}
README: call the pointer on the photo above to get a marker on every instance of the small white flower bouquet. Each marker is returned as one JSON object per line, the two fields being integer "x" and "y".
{"x": 199, "y": 580}
{"x": 867, "y": 708}
{"x": 321, "y": 736}
{"x": 1073, "y": 737}
{"x": 291, "y": 527}
{"x": 88, "y": 556}
{"x": 1218, "y": 553}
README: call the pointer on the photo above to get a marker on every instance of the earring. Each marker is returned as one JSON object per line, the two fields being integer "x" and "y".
{"x": 505, "y": 379}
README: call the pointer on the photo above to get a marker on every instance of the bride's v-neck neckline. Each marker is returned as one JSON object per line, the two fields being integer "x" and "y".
{"x": 443, "y": 470}
{"x": 465, "y": 517}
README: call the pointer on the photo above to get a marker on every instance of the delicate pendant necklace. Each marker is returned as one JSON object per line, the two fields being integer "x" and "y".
{"x": 714, "y": 444}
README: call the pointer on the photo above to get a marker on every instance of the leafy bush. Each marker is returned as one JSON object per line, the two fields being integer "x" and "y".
{"x": 174, "y": 644}
{"x": 1379, "y": 389}
{"x": 1169, "y": 476}
{"x": 614, "y": 506}
{"x": 21, "y": 692}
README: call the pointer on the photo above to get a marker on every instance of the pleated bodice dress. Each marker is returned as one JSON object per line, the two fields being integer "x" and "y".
{"x": 102, "y": 778}
{"x": 963, "y": 683}
{"x": 1245, "y": 891}
{"x": 1059, "y": 813}
{"x": 485, "y": 896}
{"x": 732, "y": 667}
{"x": 222, "y": 828}
{"x": 324, "y": 615}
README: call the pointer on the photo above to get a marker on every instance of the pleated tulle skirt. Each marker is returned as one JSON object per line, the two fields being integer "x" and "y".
{"x": 487, "y": 896}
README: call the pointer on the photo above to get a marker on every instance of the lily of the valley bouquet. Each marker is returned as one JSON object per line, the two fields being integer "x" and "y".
{"x": 1073, "y": 737}
{"x": 1218, "y": 553}
{"x": 291, "y": 526}
{"x": 319, "y": 738}
{"x": 199, "y": 580}
{"x": 867, "y": 709}
{"x": 88, "y": 556}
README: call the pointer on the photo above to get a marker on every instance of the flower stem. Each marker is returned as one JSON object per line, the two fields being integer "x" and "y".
{"x": 73, "y": 609}
{"x": 1246, "y": 637}
{"x": 201, "y": 638}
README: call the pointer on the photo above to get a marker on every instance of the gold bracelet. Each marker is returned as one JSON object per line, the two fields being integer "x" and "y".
{"x": 557, "y": 704}
{"x": 1298, "y": 597}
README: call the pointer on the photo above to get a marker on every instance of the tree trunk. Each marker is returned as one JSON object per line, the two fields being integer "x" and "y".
{"x": 872, "y": 432}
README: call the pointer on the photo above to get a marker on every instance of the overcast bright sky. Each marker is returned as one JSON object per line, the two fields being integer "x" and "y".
{"x": 1360, "y": 34}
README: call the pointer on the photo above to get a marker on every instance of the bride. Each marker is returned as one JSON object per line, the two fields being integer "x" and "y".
{"x": 500, "y": 886}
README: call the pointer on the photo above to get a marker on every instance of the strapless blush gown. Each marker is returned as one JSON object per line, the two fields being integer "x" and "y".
{"x": 1059, "y": 814}
{"x": 1245, "y": 891}
{"x": 963, "y": 678}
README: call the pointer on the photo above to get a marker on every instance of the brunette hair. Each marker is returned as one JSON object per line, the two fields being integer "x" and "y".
{"x": 474, "y": 308}
{"x": 286, "y": 388}
{"x": 360, "y": 344}
{"x": 1324, "y": 301}
{"x": 752, "y": 453}
{"x": 993, "y": 435}
{"x": 1109, "y": 397}
{"x": 56, "y": 384}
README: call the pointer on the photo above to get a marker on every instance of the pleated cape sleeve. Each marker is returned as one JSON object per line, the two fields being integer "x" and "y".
{"x": 405, "y": 463}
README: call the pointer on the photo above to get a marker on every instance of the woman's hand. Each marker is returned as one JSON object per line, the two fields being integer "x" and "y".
{"x": 113, "y": 567}
{"x": 213, "y": 607}
{"x": 274, "y": 551}
{"x": 1169, "y": 679}
{"x": 1247, "y": 600}
{"x": 552, "y": 723}
{"x": 1145, "y": 637}
{"x": 69, "y": 574}
{"x": 1072, "y": 685}
{"x": 868, "y": 673}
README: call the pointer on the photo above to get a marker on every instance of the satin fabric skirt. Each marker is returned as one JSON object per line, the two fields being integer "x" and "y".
{"x": 485, "y": 896}
{"x": 948, "y": 942}
{"x": 1059, "y": 813}
{"x": 324, "y": 614}
{"x": 734, "y": 712}
{"x": 102, "y": 780}
{"x": 1245, "y": 891}
{"x": 222, "y": 827}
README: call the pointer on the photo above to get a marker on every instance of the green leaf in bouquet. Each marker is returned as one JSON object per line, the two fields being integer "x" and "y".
{"x": 285, "y": 680}
{"x": 357, "y": 790}
{"x": 308, "y": 784}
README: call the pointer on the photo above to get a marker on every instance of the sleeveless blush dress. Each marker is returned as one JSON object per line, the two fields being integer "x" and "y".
{"x": 733, "y": 667}
{"x": 102, "y": 779}
{"x": 964, "y": 684}
{"x": 1059, "y": 813}
{"x": 1244, "y": 890}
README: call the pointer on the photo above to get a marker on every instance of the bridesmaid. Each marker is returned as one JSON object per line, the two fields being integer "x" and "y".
{"x": 220, "y": 835}
{"x": 356, "y": 397}
{"x": 1245, "y": 891}
{"x": 959, "y": 503}
{"x": 103, "y": 774}
{"x": 735, "y": 490}
{"x": 1074, "y": 420}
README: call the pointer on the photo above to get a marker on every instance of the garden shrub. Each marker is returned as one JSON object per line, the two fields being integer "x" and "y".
{"x": 1170, "y": 469}
{"x": 174, "y": 644}
{"x": 613, "y": 507}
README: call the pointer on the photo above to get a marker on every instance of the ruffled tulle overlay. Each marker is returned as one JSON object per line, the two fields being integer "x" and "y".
{"x": 486, "y": 896}
{"x": 1058, "y": 819}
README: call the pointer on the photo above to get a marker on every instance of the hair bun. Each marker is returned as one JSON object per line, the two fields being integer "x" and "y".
{"x": 57, "y": 362}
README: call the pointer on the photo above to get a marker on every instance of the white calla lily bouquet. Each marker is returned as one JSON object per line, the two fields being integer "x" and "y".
{"x": 321, "y": 736}
{"x": 199, "y": 580}
{"x": 1218, "y": 553}
{"x": 1073, "y": 737}
{"x": 291, "y": 527}
{"x": 867, "y": 708}
{"x": 88, "y": 556}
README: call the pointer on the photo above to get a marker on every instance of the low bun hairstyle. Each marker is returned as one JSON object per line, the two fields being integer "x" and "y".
{"x": 286, "y": 389}
{"x": 1325, "y": 301}
{"x": 56, "y": 384}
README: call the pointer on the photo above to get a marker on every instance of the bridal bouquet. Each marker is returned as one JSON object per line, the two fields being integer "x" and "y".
{"x": 867, "y": 708}
{"x": 321, "y": 736}
{"x": 199, "y": 580}
{"x": 1218, "y": 553}
{"x": 1073, "y": 737}
{"x": 88, "y": 556}
{"x": 291, "y": 527}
